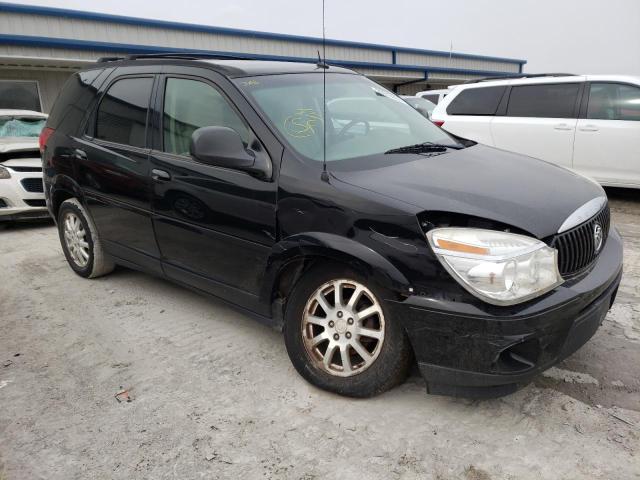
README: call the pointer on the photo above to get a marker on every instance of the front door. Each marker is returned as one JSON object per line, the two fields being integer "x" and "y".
{"x": 607, "y": 145}
{"x": 215, "y": 226}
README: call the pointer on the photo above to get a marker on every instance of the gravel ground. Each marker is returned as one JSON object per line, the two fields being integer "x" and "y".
{"x": 213, "y": 395}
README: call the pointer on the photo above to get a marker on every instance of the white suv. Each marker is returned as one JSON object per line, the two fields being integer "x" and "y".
{"x": 21, "y": 191}
{"x": 589, "y": 123}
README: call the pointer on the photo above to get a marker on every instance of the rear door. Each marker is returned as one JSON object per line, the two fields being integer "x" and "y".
{"x": 215, "y": 226}
{"x": 540, "y": 121}
{"x": 470, "y": 112}
{"x": 112, "y": 167}
{"x": 607, "y": 145}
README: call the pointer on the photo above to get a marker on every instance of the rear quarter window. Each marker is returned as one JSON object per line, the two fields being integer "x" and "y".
{"x": 614, "y": 101}
{"x": 73, "y": 101}
{"x": 477, "y": 101}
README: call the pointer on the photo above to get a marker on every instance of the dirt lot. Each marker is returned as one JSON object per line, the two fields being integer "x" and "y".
{"x": 213, "y": 394}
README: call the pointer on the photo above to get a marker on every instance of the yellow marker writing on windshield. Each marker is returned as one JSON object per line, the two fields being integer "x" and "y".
{"x": 302, "y": 123}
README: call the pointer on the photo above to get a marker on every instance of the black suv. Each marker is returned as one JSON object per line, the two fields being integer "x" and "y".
{"x": 322, "y": 204}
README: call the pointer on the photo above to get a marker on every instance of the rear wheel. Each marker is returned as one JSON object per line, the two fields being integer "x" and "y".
{"x": 80, "y": 241}
{"x": 340, "y": 337}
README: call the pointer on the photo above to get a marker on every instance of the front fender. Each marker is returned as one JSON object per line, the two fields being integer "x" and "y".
{"x": 332, "y": 247}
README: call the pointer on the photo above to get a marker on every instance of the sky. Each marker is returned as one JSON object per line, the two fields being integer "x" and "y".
{"x": 573, "y": 36}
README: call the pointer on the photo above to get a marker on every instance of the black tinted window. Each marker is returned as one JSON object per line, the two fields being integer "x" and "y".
{"x": 614, "y": 101}
{"x": 476, "y": 101}
{"x": 432, "y": 98}
{"x": 544, "y": 101}
{"x": 122, "y": 115}
{"x": 73, "y": 101}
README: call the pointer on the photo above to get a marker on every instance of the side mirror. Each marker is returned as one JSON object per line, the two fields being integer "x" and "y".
{"x": 222, "y": 147}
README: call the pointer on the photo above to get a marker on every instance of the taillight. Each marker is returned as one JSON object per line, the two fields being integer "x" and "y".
{"x": 438, "y": 123}
{"x": 44, "y": 137}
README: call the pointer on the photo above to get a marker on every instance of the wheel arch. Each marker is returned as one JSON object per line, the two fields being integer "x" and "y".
{"x": 293, "y": 256}
{"x": 63, "y": 188}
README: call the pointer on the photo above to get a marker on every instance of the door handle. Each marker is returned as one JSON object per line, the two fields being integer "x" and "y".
{"x": 563, "y": 126}
{"x": 79, "y": 154}
{"x": 160, "y": 175}
{"x": 589, "y": 128}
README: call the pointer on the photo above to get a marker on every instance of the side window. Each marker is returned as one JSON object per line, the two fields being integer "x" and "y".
{"x": 547, "y": 100}
{"x": 122, "y": 114}
{"x": 476, "y": 101}
{"x": 432, "y": 98}
{"x": 614, "y": 101}
{"x": 191, "y": 104}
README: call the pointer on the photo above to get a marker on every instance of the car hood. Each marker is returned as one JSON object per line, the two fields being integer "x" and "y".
{"x": 22, "y": 162}
{"x": 530, "y": 194}
{"x": 17, "y": 144}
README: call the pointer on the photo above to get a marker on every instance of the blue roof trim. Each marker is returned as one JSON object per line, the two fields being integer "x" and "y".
{"x": 104, "y": 17}
{"x": 122, "y": 48}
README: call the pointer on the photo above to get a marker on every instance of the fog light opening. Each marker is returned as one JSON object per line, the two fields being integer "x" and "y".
{"x": 519, "y": 357}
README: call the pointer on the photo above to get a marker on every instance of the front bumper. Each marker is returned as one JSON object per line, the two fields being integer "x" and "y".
{"x": 16, "y": 202}
{"x": 463, "y": 351}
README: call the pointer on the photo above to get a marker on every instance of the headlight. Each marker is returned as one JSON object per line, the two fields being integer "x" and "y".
{"x": 4, "y": 173}
{"x": 497, "y": 267}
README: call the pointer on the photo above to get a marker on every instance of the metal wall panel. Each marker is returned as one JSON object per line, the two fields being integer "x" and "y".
{"x": 112, "y": 32}
{"x": 400, "y": 75}
{"x": 451, "y": 77}
{"x": 405, "y": 58}
{"x": 411, "y": 89}
{"x": 44, "y": 26}
{"x": 50, "y": 63}
{"x": 19, "y": 51}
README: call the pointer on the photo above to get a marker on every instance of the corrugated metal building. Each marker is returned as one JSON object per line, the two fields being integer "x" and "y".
{"x": 43, "y": 45}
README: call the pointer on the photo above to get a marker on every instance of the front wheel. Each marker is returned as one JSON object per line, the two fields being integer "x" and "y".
{"x": 339, "y": 336}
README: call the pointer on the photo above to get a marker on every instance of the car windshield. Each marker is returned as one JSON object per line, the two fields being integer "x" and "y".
{"x": 11, "y": 126}
{"x": 363, "y": 118}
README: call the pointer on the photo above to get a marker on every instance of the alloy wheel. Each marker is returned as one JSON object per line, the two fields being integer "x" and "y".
{"x": 343, "y": 327}
{"x": 75, "y": 238}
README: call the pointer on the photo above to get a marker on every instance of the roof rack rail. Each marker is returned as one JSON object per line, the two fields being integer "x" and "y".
{"x": 520, "y": 75}
{"x": 175, "y": 55}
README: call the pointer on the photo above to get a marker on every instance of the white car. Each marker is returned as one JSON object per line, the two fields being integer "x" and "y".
{"x": 588, "y": 123}
{"x": 436, "y": 96}
{"x": 21, "y": 190}
{"x": 424, "y": 106}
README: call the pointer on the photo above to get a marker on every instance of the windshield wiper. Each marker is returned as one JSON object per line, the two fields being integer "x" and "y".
{"x": 425, "y": 147}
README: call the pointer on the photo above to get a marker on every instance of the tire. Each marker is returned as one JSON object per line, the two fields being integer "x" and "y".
{"x": 390, "y": 355}
{"x": 94, "y": 262}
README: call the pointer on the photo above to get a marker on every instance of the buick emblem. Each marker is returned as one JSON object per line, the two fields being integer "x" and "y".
{"x": 597, "y": 237}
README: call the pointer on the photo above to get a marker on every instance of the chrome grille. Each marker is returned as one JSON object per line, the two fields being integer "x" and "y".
{"x": 576, "y": 247}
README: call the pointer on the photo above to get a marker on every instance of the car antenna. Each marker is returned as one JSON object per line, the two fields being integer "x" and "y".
{"x": 322, "y": 63}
